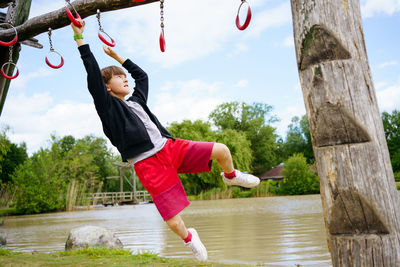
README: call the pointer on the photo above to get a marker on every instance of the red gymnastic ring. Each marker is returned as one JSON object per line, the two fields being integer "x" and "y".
{"x": 55, "y": 66}
{"x": 13, "y": 41}
{"x": 112, "y": 44}
{"x": 72, "y": 19}
{"x": 162, "y": 42}
{"x": 5, "y": 75}
{"x": 248, "y": 18}
{"x": 139, "y": 0}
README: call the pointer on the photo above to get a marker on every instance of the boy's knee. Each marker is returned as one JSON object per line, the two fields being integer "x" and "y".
{"x": 175, "y": 223}
{"x": 223, "y": 150}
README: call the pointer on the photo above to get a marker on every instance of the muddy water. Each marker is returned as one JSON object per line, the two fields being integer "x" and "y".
{"x": 274, "y": 231}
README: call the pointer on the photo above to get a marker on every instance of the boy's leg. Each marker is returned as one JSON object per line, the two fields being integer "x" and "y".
{"x": 178, "y": 226}
{"x": 222, "y": 155}
{"x": 230, "y": 176}
{"x": 189, "y": 236}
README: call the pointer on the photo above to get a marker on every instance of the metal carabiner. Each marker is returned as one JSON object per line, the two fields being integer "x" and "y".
{"x": 248, "y": 17}
{"x": 5, "y": 75}
{"x": 14, "y": 40}
{"x": 71, "y": 16}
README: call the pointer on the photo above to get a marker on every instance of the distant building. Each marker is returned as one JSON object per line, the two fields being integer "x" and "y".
{"x": 275, "y": 174}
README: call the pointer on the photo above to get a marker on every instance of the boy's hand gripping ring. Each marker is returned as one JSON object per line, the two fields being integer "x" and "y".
{"x": 55, "y": 66}
{"x": 5, "y": 75}
{"x": 14, "y": 40}
{"x": 112, "y": 43}
{"x": 71, "y": 17}
{"x": 248, "y": 17}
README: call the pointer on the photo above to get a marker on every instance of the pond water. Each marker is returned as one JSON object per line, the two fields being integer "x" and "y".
{"x": 273, "y": 231}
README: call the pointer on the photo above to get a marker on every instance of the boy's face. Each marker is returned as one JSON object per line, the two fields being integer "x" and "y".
{"x": 118, "y": 86}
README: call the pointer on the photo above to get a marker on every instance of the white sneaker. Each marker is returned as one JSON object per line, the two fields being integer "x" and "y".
{"x": 198, "y": 249}
{"x": 242, "y": 179}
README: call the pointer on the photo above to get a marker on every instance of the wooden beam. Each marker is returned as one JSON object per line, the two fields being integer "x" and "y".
{"x": 21, "y": 12}
{"x": 58, "y": 18}
{"x": 4, "y": 3}
{"x": 33, "y": 42}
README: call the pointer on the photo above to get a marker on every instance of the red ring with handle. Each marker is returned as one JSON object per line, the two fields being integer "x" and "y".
{"x": 162, "y": 42}
{"x": 248, "y": 18}
{"x": 55, "y": 66}
{"x": 73, "y": 19}
{"x": 5, "y": 75}
{"x": 112, "y": 43}
{"x": 14, "y": 40}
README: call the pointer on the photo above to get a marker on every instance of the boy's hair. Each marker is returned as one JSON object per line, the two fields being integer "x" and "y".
{"x": 109, "y": 71}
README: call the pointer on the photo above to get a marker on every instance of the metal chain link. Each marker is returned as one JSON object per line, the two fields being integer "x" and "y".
{"x": 51, "y": 43}
{"x": 10, "y": 53}
{"x": 11, "y": 18}
{"x": 98, "y": 20}
{"x": 162, "y": 14}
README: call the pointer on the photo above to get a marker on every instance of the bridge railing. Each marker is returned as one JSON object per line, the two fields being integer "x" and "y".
{"x": 118, "y": 197}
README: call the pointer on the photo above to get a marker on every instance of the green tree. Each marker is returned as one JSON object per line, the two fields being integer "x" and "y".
{"x": 11, "y": 156}
{"x": 254, "y": 121}
{"x": 298, "y": 139}
{"x": 299, "y": 179}
{"x": 199, "y": 130}
{"x": 391, "y": 124}
{"x": 44, "y": 178}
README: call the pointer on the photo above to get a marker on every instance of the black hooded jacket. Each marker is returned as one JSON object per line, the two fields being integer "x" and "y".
{"x": 120, "y": 124}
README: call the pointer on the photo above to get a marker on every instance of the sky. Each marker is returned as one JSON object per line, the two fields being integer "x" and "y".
{"x": 207, "y": 62}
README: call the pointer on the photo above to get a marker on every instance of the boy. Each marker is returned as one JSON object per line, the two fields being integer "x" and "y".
{"x": 145, "y": 143}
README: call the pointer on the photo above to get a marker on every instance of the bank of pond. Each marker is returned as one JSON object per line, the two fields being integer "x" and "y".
{"x": 95, "y": 257}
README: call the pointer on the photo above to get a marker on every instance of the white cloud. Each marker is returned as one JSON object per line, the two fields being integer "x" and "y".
{"x": 192, "y": 30}
{"x": 32, "y": 119}
{"x": 371, "y": 8}
{"x": 285, "y": 115}
{"x": 389, "y": 98}
{"x": 242, "y": 83}
{"x": 191, "y": 100}
{"x": 23, "y": 79}
{"x": 270, "y": 18}
{"x": 288, "y": 42}
{"x": 387, "y": 64}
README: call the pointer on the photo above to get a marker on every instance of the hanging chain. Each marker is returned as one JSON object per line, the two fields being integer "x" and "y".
{"x": 51, "y": 43}
{"x": 11, "y": 18}
{"x": 98, "y": 20}
{"x": 11, "y": 21}
{"x": 10, "y": 51}
{"x": 162, "y": 14}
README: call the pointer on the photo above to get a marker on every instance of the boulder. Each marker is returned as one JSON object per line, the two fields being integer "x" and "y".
{"x": 3, "y": 238}
{"x": 91, "y": 236}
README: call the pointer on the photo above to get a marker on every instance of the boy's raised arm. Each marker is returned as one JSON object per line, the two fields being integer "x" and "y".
{"x": 141, "y": 89}
{"x": 96, "y": 84}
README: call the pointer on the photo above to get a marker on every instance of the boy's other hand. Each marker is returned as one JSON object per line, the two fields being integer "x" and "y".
{"x": 78, "y": 30}
{"x": 109, "y": 51}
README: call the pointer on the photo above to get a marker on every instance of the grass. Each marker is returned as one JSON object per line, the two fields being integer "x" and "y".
{"x": 95, "y": 257}
{"x": 265, "y": 189}
{"x": 8, "y": 211}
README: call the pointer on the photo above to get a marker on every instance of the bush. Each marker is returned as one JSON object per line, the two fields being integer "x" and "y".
{"x": 299, "y": 179}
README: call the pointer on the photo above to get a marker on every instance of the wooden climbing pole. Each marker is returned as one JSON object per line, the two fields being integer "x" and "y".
{"x": 359, "y": 196}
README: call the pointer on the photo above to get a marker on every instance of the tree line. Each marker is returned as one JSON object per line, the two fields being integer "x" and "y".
{"x": 39, "y": 183}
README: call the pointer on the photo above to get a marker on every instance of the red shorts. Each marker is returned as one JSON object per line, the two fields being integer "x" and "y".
{"x": 159, "y": 173}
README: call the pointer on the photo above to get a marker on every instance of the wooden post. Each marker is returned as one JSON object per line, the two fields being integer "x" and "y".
{"x": 358, "y": 191}
{"x": 21, "y": 13}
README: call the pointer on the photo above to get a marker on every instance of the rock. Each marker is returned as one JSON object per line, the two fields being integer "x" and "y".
{"x": 3, "y": 239}
{"x": 91, "y": 236}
